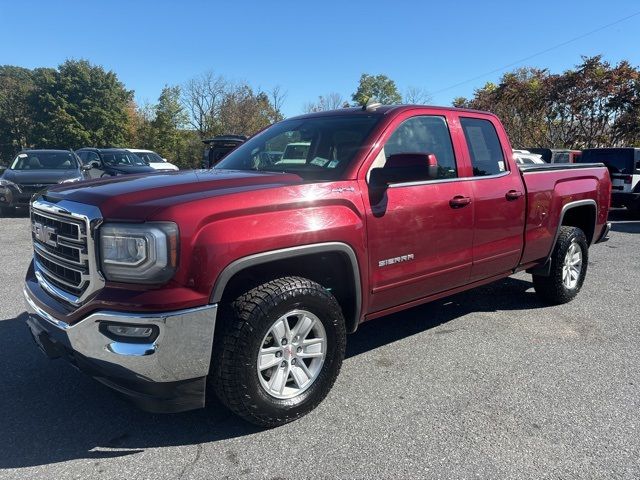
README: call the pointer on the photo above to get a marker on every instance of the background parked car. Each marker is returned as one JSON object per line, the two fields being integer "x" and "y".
{"x": 295, "y": 153}
{"x": 217, "y": 148}
{"x": 555, "y": 155}
{"x": 524, "y": 157}
{"x": 153, "y": 159}
{"x": 624, "y": 169}
{"x": 33, "y": 171}
{"x": 105, "y": 162}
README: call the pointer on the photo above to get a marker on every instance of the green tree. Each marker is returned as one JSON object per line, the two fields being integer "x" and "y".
{"x": 16, "y": 85}
{"x": 379, "y": 88}
{"x": 170, "y": 119}
{"x": 78, "y": 105}
{"x": 141, "y": 132}
{"x": 244, "y": 112}
{"x": 594, "y": 105}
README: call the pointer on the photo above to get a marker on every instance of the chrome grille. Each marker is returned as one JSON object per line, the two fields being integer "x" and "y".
{"x": 64, "y": 252}
{"x": 67, "y": 241}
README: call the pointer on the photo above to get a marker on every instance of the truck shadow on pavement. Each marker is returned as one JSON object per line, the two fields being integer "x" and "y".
{"x": 508, "y": 294}
{"x": 52, "y": 413}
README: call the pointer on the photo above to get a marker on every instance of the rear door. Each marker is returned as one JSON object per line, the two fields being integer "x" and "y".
{"x": 419, "y": 240}
{"x": 499, "y": 196}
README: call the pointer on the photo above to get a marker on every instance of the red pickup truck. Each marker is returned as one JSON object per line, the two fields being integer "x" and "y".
{"x": 246, "y": 278}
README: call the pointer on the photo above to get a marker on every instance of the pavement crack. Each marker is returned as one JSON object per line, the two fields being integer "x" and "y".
{"x": 190, "y": 466}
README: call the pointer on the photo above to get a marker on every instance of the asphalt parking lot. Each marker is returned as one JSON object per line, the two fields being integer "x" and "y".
{"x": 486, "y": 384}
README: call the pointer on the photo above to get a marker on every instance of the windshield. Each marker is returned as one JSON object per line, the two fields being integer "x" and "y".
{"x": 319, "y": 148}
{"x": 122, "y": 159}
{"x": 617, "y": 160}
{"x": 45, "y": 161}
{"x": 150, "y": 157}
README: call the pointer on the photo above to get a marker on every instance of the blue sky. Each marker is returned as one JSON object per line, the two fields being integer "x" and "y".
{"x": 314, "y": 48}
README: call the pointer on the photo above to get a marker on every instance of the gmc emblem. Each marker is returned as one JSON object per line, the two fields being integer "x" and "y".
{"x": 44, "y": 233}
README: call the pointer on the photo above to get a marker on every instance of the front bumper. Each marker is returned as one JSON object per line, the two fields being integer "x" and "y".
{"x": 166, "y": 375}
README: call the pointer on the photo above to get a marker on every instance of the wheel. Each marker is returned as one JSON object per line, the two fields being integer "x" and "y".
{"x": 278, "y": 350}
{"x": 568, "y": 268}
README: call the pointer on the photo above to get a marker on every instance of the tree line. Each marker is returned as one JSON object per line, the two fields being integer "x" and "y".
{"x": 79, "y": 104}
{"x": 595, "y": 104}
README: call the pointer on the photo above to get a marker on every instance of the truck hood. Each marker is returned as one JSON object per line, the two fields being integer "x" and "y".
{"x": 21, "y": 177}
{"x": 138, "y": 196}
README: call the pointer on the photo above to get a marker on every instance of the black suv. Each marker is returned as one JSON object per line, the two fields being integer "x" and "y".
{"x": 217, "y": 148}
{"x": 105, "y": 162}
{"x": 35, "y": 170}
{"x": 624, "y": 169}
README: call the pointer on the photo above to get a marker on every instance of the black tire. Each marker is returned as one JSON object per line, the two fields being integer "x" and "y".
{"x": 242, "y": 327}
{"x": 552, "y": 289}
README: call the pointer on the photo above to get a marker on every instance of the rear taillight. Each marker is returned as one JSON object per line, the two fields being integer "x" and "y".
{"x": 627, "y": 179}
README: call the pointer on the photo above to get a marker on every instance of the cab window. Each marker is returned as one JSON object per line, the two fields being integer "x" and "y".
{"x": 484, "y": 147}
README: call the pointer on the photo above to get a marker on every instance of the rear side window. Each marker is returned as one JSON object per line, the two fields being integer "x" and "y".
{"x": 484, "y": 147}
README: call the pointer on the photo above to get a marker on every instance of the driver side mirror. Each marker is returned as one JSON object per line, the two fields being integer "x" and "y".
{"x": 405, "y": 167}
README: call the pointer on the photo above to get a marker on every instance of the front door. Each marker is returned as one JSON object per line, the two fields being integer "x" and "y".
{"x": 419, "y": 233}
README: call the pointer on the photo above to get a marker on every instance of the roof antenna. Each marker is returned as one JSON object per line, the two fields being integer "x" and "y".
{"x": 371, "y": 105}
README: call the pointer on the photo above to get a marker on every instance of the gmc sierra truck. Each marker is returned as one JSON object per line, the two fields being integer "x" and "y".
{"x": 245, "y": 279}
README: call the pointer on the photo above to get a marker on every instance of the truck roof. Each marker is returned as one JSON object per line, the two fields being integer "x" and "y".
{"x": 382, "y": 110}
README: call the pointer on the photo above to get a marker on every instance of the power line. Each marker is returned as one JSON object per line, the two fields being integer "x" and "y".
{"x": 541, "y": 52}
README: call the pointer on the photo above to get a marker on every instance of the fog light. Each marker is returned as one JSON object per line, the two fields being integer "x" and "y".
{"x": 129, "y": 333}
{"x": 125, "y": 331}
{"x": 2, "y": 199}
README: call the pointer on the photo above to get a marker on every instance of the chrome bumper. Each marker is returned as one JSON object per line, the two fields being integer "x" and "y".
{"x": 181, "y": 351}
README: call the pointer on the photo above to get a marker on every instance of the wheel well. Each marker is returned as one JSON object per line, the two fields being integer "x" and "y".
{"x": 332, "y": 270}
{"x": 583, "y": 217}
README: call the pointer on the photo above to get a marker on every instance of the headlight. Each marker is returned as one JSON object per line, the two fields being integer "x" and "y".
{"x": 9, "y": 184}
{"x": 139, "y": 253}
